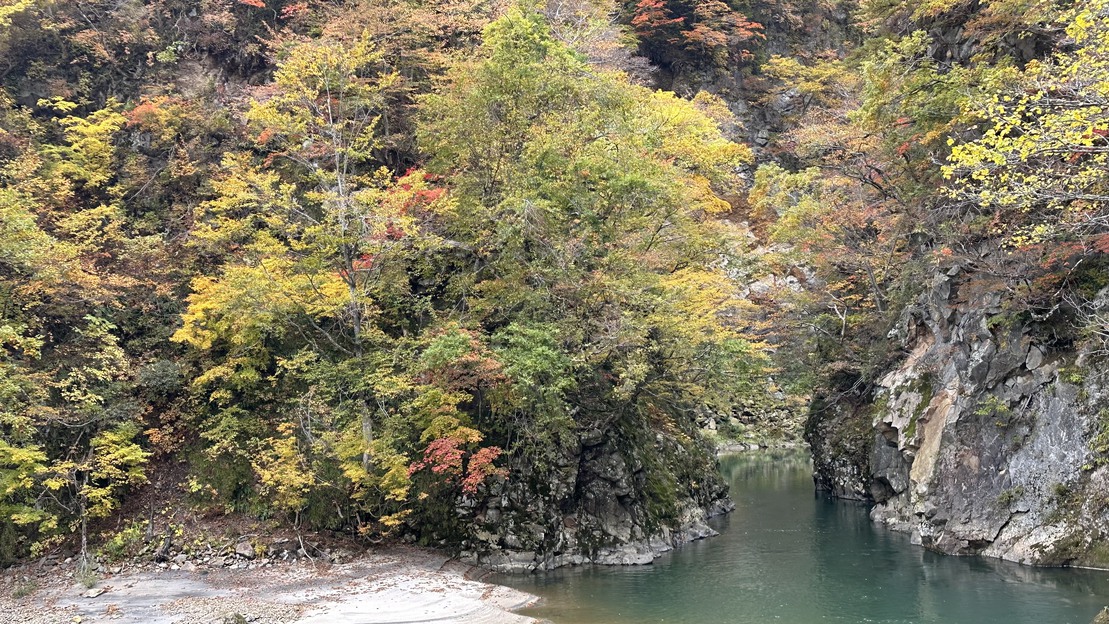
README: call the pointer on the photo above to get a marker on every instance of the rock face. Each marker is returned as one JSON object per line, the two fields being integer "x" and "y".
{"x": 602, "y": 500}
{"x": 987, "y": 438}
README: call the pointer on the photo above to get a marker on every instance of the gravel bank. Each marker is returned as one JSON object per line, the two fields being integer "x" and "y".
{"x": 391, "y": 586}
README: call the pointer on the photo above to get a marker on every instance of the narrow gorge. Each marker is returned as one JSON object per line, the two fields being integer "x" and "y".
{"x": 479, "y": 286}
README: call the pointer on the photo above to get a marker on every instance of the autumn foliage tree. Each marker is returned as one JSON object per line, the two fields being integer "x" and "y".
{"x": 698, "y": 33}
{"x": 1040, "y": 162}
{"x": 320, "y": 246}
{"x": 953, "y": 137}
{"x": 242, "y": 234}
{"x": 69, "y": 429}
{"x": 410, "y": 338}
{"x": 585, "y": 208}
{"x": 1033, "y": 175}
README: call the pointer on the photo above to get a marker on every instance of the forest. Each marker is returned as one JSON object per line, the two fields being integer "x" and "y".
{"x": 377, "y": 266}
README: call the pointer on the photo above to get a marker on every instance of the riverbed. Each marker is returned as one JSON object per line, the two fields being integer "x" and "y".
{"x": 790, "y": 555}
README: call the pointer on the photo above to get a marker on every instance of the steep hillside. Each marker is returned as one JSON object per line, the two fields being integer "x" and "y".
{"x": 433, "y": 271}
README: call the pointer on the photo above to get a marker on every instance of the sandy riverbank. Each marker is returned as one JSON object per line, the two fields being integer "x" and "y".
{"x": 390, "y": 586}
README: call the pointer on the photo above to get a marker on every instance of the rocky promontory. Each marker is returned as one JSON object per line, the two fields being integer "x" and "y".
{"x": 601, "y": 501}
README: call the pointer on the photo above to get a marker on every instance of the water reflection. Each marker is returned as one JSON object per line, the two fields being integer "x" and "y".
{"x": 789, "y": 555}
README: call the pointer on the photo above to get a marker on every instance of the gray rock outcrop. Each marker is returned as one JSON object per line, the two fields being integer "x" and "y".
{"x": 988, "y": 438}
{"x": 600, "y": 501}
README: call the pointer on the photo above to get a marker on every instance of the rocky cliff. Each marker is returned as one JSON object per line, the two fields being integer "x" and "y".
{"x": 987, "y": 437}
{"x": 604, "y": 498}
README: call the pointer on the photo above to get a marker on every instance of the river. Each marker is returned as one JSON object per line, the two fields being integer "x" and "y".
{"x": 789, "y": 555}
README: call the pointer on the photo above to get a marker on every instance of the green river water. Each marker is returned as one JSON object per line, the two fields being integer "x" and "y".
{"x": 788, "y": 555}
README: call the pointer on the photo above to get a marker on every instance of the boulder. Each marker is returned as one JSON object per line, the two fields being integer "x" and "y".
{"x": 245, "y": 550}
